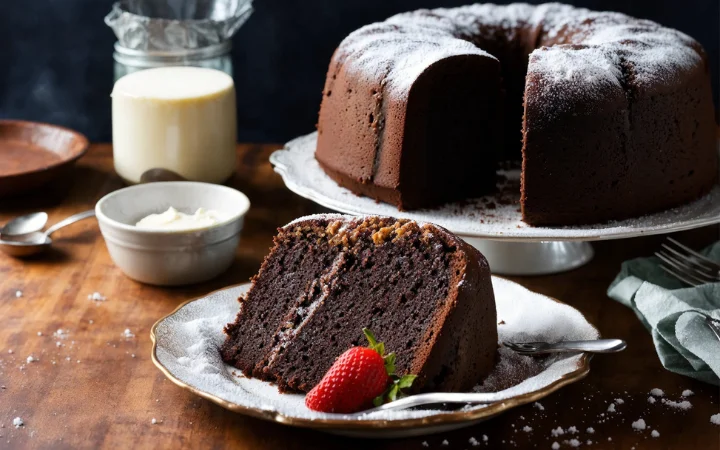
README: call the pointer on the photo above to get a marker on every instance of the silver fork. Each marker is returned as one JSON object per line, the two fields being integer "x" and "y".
{"x": 713, "y": 324}
{"x": 594, "y": 346}
{"x": 687, "y": 265}
{"x": 526, "y": 348}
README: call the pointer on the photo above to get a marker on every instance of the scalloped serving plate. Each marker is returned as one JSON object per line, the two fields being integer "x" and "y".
{"x": 302, "y": 174}
{"x": 186, "y": 343}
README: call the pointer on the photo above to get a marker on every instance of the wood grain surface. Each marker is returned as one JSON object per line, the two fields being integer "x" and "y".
{"x": 99, "y": 389}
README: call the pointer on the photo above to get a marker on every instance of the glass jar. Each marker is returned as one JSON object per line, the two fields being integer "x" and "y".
{"x": 212, "y": 57}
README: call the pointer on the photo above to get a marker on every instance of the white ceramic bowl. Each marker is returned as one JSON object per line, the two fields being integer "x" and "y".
{"x": 169, "y": 258}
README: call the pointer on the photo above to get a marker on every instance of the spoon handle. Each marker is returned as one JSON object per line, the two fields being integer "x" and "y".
{"x": 593, "y": 346}
{"x": 70, "y": 220}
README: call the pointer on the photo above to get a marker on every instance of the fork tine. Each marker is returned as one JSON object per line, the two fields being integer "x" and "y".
{"x": 678, "y": 275}
{"x": 715, "y": 265}
{"x": 677, "y": 271}
{"x": 690, "y": 259}
{"x": 686, "y": 268}
{"x": 713, "y": 324}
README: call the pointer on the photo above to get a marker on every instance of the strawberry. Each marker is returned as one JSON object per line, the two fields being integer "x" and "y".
{"x": 359, "y": 378}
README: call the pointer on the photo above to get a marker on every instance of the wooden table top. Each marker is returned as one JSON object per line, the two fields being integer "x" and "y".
{"x": 99, "y": 389}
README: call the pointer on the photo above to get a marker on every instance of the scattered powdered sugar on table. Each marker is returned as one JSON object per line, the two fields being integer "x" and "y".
{"x": 18, "y": 422}
{"x": 61, "y": 334}
{"x": 651, "y": 400}
{"x": 302, "y": 174}
{"x": 128, "y": 334}
{"x": 655, "y": 433}
{"x": 97, "y": 297}
{"x": 715, "y": 419}
{"x": 18, "y": 294}
{"x": 684, "y": 405}
{"x": 657, "y": 392}
{"x": 188, "y": 342}
{"x": 687, "y": 393}
{"x": 555, "y": 446}
{"x": 639, "y": 424}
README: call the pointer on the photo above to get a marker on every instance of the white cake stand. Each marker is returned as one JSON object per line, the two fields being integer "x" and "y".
{"x": 511, "y": 246}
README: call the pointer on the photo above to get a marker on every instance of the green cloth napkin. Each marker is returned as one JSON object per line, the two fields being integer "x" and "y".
{"x": 666, "y": 307}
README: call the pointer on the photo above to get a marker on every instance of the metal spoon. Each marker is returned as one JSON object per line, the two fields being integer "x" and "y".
{"x": 37, "y": 242}
{"x": 28, "y": 223}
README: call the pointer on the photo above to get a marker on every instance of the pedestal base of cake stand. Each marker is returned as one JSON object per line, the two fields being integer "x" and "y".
{"x": 532, "y": 258}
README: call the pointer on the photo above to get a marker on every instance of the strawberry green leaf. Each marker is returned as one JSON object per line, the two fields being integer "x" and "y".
{"x": 374, "y": 344}
{"x": 393, "y": 393}
{"x": 390, "y": 363}
{"x": 379, "y": 400}
{"x": 405, "y": 381}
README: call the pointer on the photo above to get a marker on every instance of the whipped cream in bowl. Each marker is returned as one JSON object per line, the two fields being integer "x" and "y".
{"x": 174, "y": 220}
{"x": 172, "y": 233}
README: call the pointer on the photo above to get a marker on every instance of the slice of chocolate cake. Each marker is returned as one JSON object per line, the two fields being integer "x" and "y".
{"x": 423, "y": 291}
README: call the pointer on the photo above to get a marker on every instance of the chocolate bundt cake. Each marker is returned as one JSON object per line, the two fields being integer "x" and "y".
{"x": 611, "y": 115}
{"x": 423, "y": 291}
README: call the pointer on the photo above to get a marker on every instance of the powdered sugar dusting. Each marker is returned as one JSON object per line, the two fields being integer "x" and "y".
{"x": 188, "y": 342}
{"x": 302, "y": 175}
{"x": 587, "y": 57}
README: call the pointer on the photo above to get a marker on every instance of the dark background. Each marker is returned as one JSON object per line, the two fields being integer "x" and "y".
{"x": 56, "y": 56}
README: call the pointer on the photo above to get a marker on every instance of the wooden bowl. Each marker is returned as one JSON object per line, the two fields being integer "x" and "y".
{"x": 33, "y": 154}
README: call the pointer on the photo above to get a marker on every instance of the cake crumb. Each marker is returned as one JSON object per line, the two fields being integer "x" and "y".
{"x": 39, "y": 333}
{"x": 715, "y": 419}
{"x": 639, "y": 424}
{"x": 651, "y": 400}
{"x": 590, "y": 430}
{"x": 18, "y": 294}
{"x": 555, "y": 446}
{"x": 611, "y": 408}
{"x": 474, "y": 442}
{"x": 539, "y": 406}
{"x": 10, "y": 351}
{"x": 657, "y": 392}
{"x": 91, "y": 321}
{"x": 18, "y": 422}
{"x": 153, "y": 421}
{"x": 687, "y": 393}
{"x": 655, "y": 433}
{"x": 31, "y": 359}
{"x": 527, "y": 429}
{"x": 128, "y": 334}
